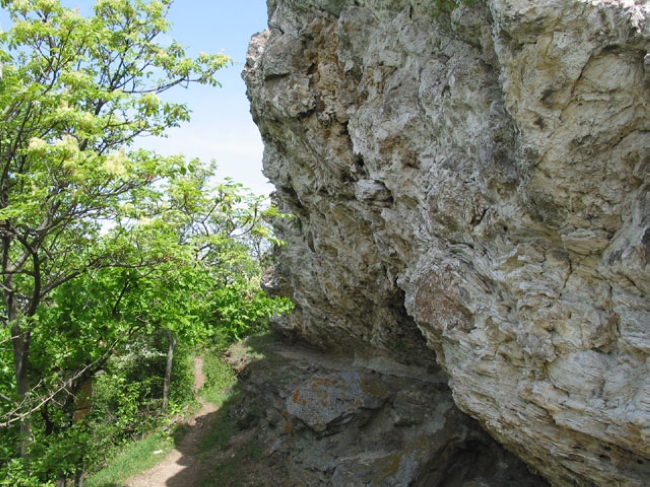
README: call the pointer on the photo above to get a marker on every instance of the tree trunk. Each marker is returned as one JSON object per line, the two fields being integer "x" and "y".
{"x": 79, "y": 479}
{"x": 168, "y": 368}
{"x": 21, "y": 341}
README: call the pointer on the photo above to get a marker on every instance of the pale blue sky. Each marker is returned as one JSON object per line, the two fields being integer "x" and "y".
{"x": 221, "y": 126}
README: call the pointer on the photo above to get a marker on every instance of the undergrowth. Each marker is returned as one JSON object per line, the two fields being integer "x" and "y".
{"x": 220, "y": 389}
{"x": 138, "y": 456}
{"x": 220, "y": 378}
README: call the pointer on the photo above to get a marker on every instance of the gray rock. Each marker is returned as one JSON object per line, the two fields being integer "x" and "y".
{"x": 325, "y": 400}
{"x": 326, "y": 421}
{"x": 512, "y": 240}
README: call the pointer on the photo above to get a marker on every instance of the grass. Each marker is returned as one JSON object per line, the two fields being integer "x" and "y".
{"x": 220, "y": 385}
{"x": 245, "y": 462}
{"x": 218, "y": 390}
{"x": 239, "y": 466}
{"x": 220, "y": 378}
{"x": 134, "y": 459}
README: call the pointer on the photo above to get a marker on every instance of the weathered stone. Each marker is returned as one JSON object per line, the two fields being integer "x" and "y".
{"x": 326, "y": 403}
{"x": 472, "y": 186}
{"x": 325, "y": 421}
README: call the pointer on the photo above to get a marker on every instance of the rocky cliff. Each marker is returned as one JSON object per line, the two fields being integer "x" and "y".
{"x": 470, "y": 188}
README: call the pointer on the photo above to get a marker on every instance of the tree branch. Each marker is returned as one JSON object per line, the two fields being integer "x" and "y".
{"x": 20, "y": 412}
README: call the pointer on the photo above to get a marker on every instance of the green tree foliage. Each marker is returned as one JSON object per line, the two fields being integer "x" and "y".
{"x": 75, "y": 93}
{"x": 103, "y": 246}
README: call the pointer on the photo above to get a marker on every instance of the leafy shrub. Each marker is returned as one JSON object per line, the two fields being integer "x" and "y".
{"x": 240, "y": 312}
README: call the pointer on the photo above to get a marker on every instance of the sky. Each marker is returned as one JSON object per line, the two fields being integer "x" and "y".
{"x": 221, "y": 127}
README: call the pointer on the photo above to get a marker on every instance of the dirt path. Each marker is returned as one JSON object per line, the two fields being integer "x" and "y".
{"x": 183, "y": 461}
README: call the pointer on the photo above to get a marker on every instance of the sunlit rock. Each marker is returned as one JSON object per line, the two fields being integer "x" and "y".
{"x": 470, "y": 186}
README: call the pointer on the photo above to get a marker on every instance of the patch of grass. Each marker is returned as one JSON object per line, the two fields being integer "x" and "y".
{"x": 134, "y": 459}
{"x": 220, "y": 379}
{"x": 257, "y": 351}
{"x": 261, "y": 341}
{"x": 219, "y": 436}
{"x": 221, "y": 387}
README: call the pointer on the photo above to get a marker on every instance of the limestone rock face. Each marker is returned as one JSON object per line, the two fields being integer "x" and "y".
{"x": 470, "y": 186}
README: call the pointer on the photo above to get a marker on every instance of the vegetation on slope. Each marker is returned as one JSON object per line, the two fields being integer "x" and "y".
{"x": 116, "y": 262}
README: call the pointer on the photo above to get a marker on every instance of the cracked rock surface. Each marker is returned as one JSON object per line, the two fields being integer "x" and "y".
{"x": 470, "y": 187}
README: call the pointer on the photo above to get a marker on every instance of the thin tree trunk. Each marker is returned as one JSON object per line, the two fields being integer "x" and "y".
{"x": 21, "y": 341}
{"x": 79, "y": 479}
{"x": 168, "y": 368}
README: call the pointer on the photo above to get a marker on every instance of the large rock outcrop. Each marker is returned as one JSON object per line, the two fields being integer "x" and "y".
{"x": 470, "y": 185}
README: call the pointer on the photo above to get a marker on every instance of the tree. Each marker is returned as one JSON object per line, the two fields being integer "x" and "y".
{"x": 203, "y": 240}
{"x": 74, "y": 95}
